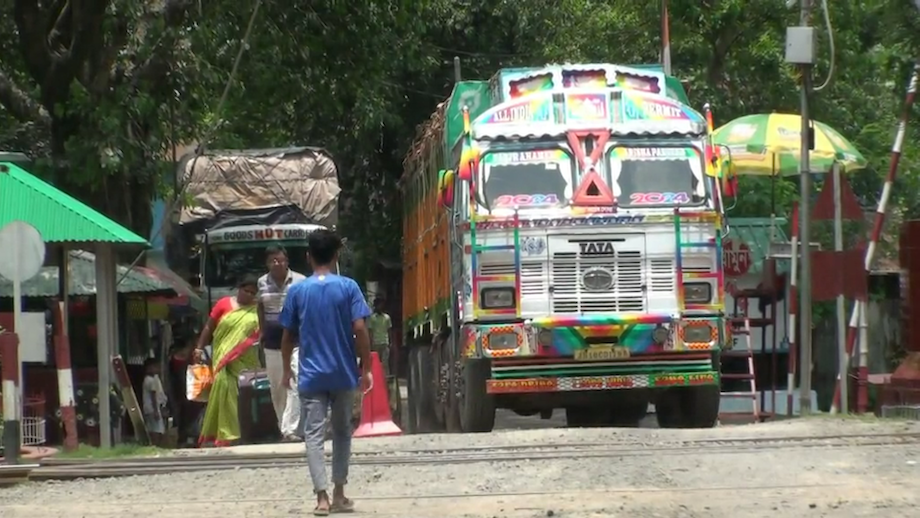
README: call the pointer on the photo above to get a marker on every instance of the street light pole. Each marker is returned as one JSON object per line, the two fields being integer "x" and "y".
{"x": 805, "y": 230}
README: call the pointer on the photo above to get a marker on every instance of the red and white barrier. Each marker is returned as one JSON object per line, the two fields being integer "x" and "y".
{"x": 858, "y": 318}
{"x": 12, "y": 400}
{"x": 65, "y": 379}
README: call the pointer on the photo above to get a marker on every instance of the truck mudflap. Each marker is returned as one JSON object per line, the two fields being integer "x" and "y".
{"x": 550, "y": 375}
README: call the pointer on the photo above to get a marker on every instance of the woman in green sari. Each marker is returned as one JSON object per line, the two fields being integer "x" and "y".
{"x": 232, "y": 331}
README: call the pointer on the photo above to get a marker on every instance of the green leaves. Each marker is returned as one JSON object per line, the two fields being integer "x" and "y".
{"x": 358, "y": 77}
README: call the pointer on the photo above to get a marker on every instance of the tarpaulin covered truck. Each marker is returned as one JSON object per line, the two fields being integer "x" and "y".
{"x": 237, "y": 202}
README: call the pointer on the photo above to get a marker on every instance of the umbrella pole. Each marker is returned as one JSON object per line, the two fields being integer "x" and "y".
{"x": 773, "y": 200}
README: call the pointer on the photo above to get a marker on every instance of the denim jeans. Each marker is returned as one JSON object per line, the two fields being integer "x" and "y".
{"x": 314, "y": 407}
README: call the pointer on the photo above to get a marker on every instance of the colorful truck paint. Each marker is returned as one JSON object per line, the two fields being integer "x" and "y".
{"x": 567, "y": 240}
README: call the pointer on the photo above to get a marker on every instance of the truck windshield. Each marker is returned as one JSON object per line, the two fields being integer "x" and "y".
{"x": 657, "y": 176}
{"x": 529, "y": 179}
{"x": 226, "y": 264}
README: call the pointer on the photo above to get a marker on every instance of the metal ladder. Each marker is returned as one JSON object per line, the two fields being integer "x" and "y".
{"x": 476, "y": 249}
{"x": 748, "y": 353}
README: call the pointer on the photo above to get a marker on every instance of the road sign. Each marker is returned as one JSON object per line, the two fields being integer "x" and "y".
{"x": 736, "y": 258}
{"x": 22, "y": 251}
{"x": 22, "y": 254}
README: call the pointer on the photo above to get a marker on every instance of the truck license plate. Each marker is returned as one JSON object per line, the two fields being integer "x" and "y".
{"x": 601, "y": 353}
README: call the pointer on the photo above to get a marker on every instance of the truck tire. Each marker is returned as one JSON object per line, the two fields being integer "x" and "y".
{"x": 421, "y": 391}
{"x": 702, "y": 406}
{"x": 477, "y": 407}
{"x": 395, "y": 401}
{"x": 688, "y": 407}
{"x": 412, "y": 424}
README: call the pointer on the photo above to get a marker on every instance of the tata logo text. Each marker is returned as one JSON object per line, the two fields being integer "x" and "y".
{"x": 596, "y": 248}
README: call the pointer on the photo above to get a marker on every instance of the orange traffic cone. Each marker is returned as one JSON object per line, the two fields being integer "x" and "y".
{"x": 376, "y": 420}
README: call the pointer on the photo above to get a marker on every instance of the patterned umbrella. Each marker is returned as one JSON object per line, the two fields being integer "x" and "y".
{"x": 769, "y": 145}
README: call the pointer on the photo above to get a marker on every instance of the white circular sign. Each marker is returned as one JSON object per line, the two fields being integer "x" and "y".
{"x": 22, "y": 251}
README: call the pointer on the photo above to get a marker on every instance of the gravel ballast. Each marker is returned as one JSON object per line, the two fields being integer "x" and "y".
{"x": 787, "y": 480}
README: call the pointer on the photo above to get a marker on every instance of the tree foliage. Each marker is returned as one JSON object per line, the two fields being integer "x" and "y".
{"x": 99, "y": 91}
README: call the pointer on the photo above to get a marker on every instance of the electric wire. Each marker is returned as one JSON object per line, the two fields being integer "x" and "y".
{"x": 207, "y": 135}
{"x": 833, "y": 49}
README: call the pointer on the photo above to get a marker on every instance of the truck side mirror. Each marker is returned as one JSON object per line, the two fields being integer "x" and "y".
{"x": 446, "y": 188}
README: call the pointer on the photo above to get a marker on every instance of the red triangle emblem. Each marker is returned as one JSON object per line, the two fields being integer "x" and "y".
{"x": 593, "y": 192}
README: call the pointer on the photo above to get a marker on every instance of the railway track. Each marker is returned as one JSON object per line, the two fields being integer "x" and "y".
{"x": 72, "y": 469}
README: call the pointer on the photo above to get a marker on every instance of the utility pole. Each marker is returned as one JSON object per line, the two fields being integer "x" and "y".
{"x": 666, "y": 38}
{"x": 457, "y": 76}
{"x": 805, "y": 210}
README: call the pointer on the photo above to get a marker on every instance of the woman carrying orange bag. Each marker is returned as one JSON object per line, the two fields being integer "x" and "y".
{"x": 232, "y": 330}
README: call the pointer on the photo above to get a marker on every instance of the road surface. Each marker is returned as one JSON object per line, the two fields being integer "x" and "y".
{"x": 822, "y": 467}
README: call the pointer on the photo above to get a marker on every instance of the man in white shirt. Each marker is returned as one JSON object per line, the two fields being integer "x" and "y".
{"x": 273, "y": 288}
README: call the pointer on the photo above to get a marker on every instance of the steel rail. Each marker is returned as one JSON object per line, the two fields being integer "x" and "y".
{"x": 135, "y": 469}
{"x": 628, "y": 444}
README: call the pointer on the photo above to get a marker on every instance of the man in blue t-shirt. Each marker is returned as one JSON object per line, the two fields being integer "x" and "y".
{"x": 325, "y": 315}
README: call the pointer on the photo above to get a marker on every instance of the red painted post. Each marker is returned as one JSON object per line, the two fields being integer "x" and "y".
{"x": 65, "y": 379}
{"x": 12, "y": 401}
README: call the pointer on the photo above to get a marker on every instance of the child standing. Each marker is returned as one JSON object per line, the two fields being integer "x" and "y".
{"x": 154, "y": 402}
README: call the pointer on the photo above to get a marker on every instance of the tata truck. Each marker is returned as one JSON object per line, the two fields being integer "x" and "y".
{"x": 238, "y": 202}
{"x": 562, "y": 251}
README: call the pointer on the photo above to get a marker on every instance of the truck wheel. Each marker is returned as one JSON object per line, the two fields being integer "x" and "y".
{"x": 421, "y": 391}
{"x": 395, "y": 400}
{"x": 668, "y": 409}
{"x": 688, "y": 407}
{"x": 702, "y": 406}
{"x": 412, "y": 425}
{"x": 440, "y": 372}
{"x": 477, "y": 407}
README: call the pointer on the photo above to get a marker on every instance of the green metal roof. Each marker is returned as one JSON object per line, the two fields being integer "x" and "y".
{"x": 755, "y": 232}
{"x": 83, "y": 280}
{"x": 58, "y": 217}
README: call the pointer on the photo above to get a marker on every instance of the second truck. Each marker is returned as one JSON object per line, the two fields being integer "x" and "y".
{"x": 562, "y": 250}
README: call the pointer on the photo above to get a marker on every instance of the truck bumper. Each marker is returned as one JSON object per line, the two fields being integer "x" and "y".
{"x": 575, "y": 353}
{"x": 564, "y": 383}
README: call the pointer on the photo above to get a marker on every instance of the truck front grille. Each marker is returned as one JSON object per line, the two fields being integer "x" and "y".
{"x": 570, "y": 296}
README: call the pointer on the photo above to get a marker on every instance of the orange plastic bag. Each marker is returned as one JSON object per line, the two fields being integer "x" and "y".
{"x": 198, "y": 381}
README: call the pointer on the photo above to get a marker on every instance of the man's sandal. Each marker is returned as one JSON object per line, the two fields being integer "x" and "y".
{"x": 344, "y": 506}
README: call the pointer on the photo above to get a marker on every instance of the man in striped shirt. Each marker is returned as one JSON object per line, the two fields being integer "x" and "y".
{"x": 273, "y": 288}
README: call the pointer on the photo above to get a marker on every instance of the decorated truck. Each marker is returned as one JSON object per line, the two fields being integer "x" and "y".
{"x": 239, "y": 202}
{"x": 562, "y": 250}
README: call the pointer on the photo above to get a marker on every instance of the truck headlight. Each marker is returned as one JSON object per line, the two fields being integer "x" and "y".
{"x": 697, "y": 292}
{"x": 499, "y": 341}
{"x": 496, "y": 298}
{"x": 661, "y": 334}
{"x": 697, "y": 333}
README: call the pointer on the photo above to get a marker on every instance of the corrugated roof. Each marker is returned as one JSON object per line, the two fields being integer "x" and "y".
{"x": 58, "y": 216}
{"x": 83, "y": 280}
{"x": 755, "y": 232}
